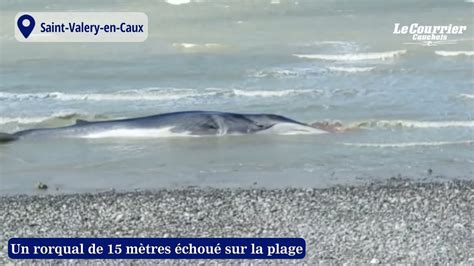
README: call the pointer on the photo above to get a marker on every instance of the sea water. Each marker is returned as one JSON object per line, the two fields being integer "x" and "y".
{"x": 408, "y": 104}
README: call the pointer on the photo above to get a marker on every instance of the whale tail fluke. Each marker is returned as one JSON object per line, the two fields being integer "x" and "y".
{"x": 5, "y": 137}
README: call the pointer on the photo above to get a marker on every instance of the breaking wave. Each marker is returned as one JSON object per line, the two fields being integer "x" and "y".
{"x": 272, "y": 93}
{"x": 284, "y": 73}
{"x": 353, "y": 57}
{"x": 198, "y": 46}
{"x": 466, "y": 96}
{"x": 152, "y": 94}
{"x": 178, "y": 2}
{"x": 350, "y": 69}
{"x": 409, "y": 144}
{"x": 413, "y": 124}
{"x": 303, "y": 72}
{"x": 56, "y": 118}
{"x": 145, "y": 95}
{"x": 23, "y": 120}
{"x": 455, "y": 53}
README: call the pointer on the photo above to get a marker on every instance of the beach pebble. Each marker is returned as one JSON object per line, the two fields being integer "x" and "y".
{"x": 41, "y": 186}
{"x": 353, "y": 225}
{"x": 374, "y": 261}
{"x": 118, "y": 217}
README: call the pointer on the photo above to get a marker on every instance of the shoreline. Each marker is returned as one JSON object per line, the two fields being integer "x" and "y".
{"x": 397, "y": 221}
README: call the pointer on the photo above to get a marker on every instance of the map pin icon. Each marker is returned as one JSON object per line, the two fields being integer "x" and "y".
{"x": 26, "y": 24}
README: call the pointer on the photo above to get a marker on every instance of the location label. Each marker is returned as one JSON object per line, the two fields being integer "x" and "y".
{"x": 26, "y": 24}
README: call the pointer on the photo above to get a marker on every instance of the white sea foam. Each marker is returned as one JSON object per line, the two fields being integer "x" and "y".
{"x": 305, "y": 71}
{"x": 198, "y": 45}
{"x": 353, "y": 57}
{"x": 340, "y": 43}
{"x": 432, "y": 43}
{"x": 185, "y": 45}
{"x": 341, "y": 46}
{"x": 271, "y": 93}
{"x": 350, "y": 69}
{"x": 24, "y": 120}
{"x": 409, "y": 144}
{"x": 291, "y": 72}
{"x": 277, "y": 73}
{"x": 178, "y": 2}
{"x": 151, "y": 94}
{"x": 454, "y": 53}
{"x": 413, "y": 124}
{"x": 466, "y": 96}
{"x": 119, "y": 96}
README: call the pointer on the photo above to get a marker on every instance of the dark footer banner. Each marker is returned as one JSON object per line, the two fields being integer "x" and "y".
{"x": 156, "y": 248}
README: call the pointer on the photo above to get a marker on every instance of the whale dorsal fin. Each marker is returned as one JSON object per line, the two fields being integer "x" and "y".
{"x": 81, "y": 122}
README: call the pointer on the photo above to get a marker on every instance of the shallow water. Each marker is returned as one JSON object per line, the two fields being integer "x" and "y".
{"x": 411, "y": 105}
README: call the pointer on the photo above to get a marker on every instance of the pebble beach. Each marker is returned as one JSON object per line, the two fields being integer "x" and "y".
{"x": 397, "y": 221}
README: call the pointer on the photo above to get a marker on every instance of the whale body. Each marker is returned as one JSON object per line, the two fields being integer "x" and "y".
{"x": 188, "y": 123}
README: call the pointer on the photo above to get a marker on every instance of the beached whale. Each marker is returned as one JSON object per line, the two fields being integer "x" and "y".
{"x": 189, "y": 123}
